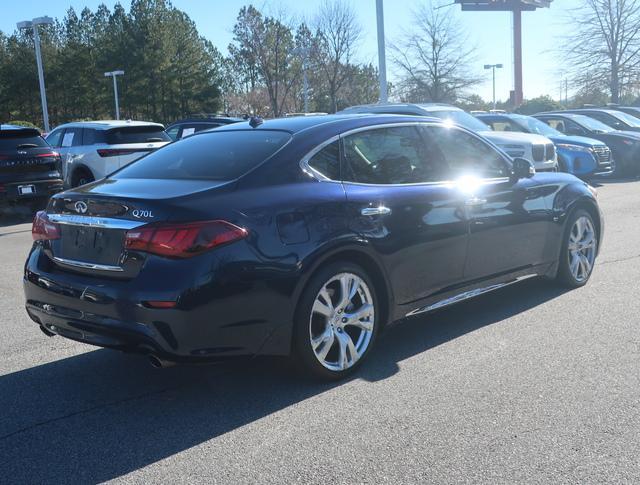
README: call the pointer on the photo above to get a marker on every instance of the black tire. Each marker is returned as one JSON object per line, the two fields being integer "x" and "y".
{"x": 302, "y": 351}
{"x": 81, "y": 177}
{"x": 565, "y": 277}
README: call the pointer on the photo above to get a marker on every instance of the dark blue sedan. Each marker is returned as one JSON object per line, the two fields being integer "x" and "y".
{"x": 302, "y": 236}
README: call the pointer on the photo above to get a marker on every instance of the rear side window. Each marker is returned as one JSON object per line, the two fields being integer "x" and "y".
{"x": 222, "y": 155}
{"x": 72, "y": 137}
{"x": 327, "y": 161}
{"x": 136, "y": 134}
{"x": 15, "y": 140}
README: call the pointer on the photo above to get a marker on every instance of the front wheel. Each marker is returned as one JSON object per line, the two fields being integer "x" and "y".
{"x": 579, "y": 249}
{"x": 337, "y": 321}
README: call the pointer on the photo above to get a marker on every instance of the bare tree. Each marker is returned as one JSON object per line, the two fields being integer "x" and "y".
{"x": 434, "y": 58}
{"x": 604, "y": 46}
{"x": 337, "y": 35}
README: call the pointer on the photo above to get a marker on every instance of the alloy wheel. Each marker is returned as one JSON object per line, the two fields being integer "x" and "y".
{"x": 342, "y": 322}
{"x": 582, "y": 248}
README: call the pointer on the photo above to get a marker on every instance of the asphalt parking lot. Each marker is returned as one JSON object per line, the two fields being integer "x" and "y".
{"x": 529, "y": 384}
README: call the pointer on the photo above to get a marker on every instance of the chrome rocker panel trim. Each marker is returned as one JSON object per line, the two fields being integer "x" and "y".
{"x": 467, "y": 295}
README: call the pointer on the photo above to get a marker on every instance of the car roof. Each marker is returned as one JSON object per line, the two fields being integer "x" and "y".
{"x": 298, "y": 124}
{"x": 560, "y": 113}
{"x": 108, "y": 124}
{"x": 210, "y": 119}
{"x": 7, "y": 127}
{"x": 7, "y": 130}
{"x": 601, "y": 110}
{"x": 403, "y": 108}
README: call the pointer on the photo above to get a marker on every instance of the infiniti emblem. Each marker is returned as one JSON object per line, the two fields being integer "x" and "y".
{"x": 80, "y": 207}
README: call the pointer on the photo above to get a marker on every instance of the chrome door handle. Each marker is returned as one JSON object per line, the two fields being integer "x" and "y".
{"x": 475, "y": 201}
{"x": 375, "y": 211}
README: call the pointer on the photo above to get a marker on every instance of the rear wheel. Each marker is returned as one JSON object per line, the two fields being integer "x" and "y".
{"x": 579, "y": 249}
{"x": 80, "y": 177}
{"x": 336, "y": 323}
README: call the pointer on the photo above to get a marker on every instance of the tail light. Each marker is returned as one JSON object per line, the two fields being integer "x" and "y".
{"x": 43, "y": 229}
{"x": 48, "y": 154}
{"x": 115, "y": 152}
{"x": 182, "y": 240}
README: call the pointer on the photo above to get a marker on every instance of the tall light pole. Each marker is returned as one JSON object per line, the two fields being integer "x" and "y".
{"x": 382, "y": 59}
{"x": 304, "y": 53}
{"x": 33, "y": 24}
{"x": 493, "y": 67}
{"x": 113, "y": 74}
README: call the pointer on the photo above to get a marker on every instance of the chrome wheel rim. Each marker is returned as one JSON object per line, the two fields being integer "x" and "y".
{"x": 582, "y": 249}
{"x": 341, "y": 322}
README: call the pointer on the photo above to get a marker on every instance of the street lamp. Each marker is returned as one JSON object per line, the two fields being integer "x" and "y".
{"x": 493, "y": 67}
{"x": 33, "y": 24}
{"x": 113, "y": 74}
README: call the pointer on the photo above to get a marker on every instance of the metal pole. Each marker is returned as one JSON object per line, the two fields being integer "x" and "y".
{"x": 115, "y": 91}
{"x": 306, "y": 88}
{"x": 382, "y": 60}
{"x": 43, "y": 95}
{"x": 494, "y": 86}
{"x": 517, "y": 56}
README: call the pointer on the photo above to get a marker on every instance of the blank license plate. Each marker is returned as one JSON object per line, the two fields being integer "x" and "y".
{"x": 26, "y": 189}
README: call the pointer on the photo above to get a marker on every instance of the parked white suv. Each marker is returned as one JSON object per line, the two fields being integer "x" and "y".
{"x": 538, "y": 149}
{"x": 91, "y": 150}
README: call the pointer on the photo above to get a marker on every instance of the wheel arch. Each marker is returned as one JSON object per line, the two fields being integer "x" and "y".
{"x": 80, "y": 167}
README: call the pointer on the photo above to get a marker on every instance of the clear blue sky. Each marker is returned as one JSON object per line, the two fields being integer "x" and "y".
{"x": 542, "y": 32}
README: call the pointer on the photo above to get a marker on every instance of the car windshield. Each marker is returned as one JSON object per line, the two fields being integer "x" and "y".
{"x": 215, "y": 155}
{"x": 12, "y": 140}
{"x": 136, "y": 134}
{"x": 627, "y": 118}
{"x": 591, "y": 124}
{"x": 532, "y": 125}
{"x": 461, "y": 118}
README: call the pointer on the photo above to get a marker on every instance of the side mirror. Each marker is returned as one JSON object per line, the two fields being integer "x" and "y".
{"x": 523, "y": 169}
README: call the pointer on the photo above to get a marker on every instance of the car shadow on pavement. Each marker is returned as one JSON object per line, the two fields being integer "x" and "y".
{"x": 11, "y": 214}
{"x": 102, "y": 414}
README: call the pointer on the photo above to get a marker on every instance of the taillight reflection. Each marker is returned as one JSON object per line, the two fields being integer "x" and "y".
{"x": 183, "y": 240}
{"x": 43, "y": 229}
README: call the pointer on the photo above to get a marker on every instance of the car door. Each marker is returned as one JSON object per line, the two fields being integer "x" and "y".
{"x": 399, "y": 201}
{"x": 508, "y": 220}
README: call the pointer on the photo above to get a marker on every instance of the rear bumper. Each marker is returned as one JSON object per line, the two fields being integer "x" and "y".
{"x": 40, "y": 188}
{"x": 214, "y": 322}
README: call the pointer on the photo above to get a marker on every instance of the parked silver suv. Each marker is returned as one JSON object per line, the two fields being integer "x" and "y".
{"x": 91, "y": 150}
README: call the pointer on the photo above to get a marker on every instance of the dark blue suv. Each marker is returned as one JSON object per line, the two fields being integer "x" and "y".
{"x": 302, "y": 236}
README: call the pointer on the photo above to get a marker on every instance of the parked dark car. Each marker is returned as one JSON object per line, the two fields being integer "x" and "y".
{"x": 618, "y": 120}
{"x": 29, "y": 167}
{"x": 578, "y": 155}
{"x": 194, "y": 124}
{"x": 299, "y": 235}
{"x": 630, "y": 110}
{"x": 624, "y": 145}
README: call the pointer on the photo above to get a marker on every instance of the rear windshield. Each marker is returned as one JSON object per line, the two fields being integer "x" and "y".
{"x": 136, "y": 134}
{"x": 11, "y": 140}
{"x": 222, "y": 155}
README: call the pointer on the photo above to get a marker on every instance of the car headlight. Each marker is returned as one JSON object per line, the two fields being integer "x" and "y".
{"x": 574, "y": 148}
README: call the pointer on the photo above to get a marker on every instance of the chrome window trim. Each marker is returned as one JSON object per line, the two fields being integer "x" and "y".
{"x": 83, "y": 265}
{"x": 309, "y": 170}
{"x": 92, "y": 221}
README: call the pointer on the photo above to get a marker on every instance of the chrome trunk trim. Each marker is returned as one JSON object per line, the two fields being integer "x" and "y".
{"x": 92, "y": 221}
{"x": 83, "y": 265}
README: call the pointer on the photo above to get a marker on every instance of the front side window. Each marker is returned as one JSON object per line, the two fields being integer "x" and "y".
{"x": 395, "y": 155}
{"x": 219, "y": 155}
{"x": 72, "y": 138}
{"x": 327, "y": 161}
{"x": 607, "y": 120}
{"x": 55, "y": 137}
{"x": 465, "y": 154}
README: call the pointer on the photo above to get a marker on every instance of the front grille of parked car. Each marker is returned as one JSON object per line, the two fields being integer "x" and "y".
{"x": 603, "y": 153}
{"x": 537, "y": 152}
{"x": 27, "y": 165}
{"x": 550, "y": 151}
{"x": 514, "y": 151}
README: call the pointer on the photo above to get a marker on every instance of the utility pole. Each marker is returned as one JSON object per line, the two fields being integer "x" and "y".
{"x": 33, "y": 24}
{"x": 493, "y": 67}
{"x": 113, "y": 74}
{"x": 382, "y": 59}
